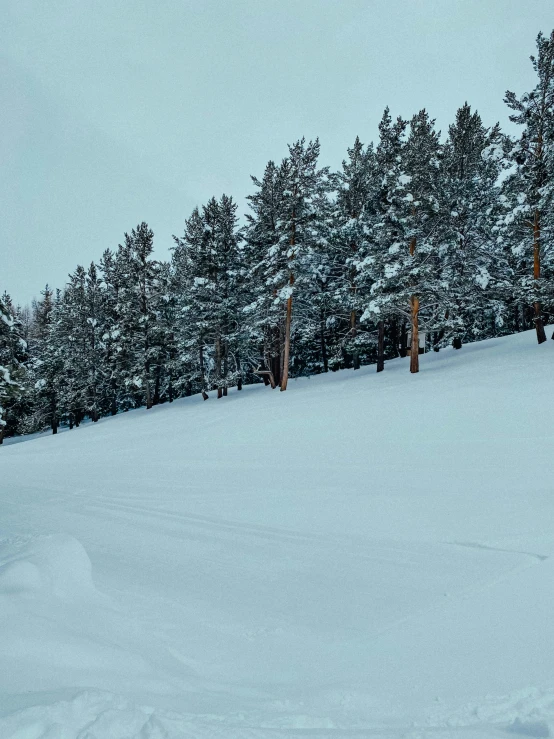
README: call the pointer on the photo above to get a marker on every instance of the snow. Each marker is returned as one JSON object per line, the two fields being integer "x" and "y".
{"x": 493, "y": 152}
{"x": 364, "y": 555}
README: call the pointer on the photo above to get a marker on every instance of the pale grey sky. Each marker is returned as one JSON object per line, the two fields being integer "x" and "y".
{"x": 115, "y": 112}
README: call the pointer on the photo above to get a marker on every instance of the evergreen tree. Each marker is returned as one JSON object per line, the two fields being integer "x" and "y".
{"x": 265, "y": 323}
{"x": 290, "y": 229}
{"x": 354, "y": 217}
{"x": 46, "y": 367}
{"x": 473, "y": 269}
{"x": 13, "y": 353}
{"x": 529, "y": 190}
{"x": 138, "y": 296}
{"x": 207, "y": 264}
{"x": 378, "y": 264}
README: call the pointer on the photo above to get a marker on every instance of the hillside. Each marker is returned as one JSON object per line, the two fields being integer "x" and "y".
{"x": 364, "y": 555}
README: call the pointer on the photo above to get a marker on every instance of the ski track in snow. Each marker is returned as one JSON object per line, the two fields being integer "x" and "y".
{"x": 476, "y": 545}
{"x": 161, "y": 578}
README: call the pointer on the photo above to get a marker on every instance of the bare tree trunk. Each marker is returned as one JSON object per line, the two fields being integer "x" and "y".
{"x": 403, "y": 340}
{"x": 225, "y": 391}
{"x": 275, "y": 367}
{"x": 516, "y": 318}
{"x": 202, "y": 371}
{"x": 147, "y": 389}
{"x": 217, "y": 348}
{"x": 323, "y": 345}
{"x": 53, "y": 414}
{"x": 353, "y": 330}
{"x": 156, "y": 398}
{"x": 113, "y": 402}
{"x": 285, "y": 377}
{"x": 275, "y": 358}
{"x": 457, "y": 342}
{"x": 539, "y": 325}
{"x": 380, "y": 346}
{"x": 414, "y": 351}
{"x": 393, "y": 327}
{"x": 239, "y": 383}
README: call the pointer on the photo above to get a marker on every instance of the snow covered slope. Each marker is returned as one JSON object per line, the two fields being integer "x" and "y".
{"x": 363, "y": 555}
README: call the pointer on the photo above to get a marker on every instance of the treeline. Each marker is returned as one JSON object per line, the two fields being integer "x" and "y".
{"x": 417, "y": 235}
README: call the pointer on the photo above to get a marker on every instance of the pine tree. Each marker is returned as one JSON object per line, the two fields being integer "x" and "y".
{"x": 46, "y": 366}
{"x": 378, "y": 265}
{"x": 264, "y": 259}
{"x": 289, "y": 235}
{"x": 113, "y": 357}
{"x": 138, "y": 296}
{"x": 474, "y": 272}
{"x": 13, "y": 353}
{"x": 356, "y": 208}
{"x": 207, "y": 265}
{"x": 529, "y": 190}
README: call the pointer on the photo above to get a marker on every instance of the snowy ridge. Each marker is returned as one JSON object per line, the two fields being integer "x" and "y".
{"x": 365, "y": 555}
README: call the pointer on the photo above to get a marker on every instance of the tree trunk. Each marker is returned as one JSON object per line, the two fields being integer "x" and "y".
{"x": 539, "y": 325}
{"x": 53, "y": 414}
{"x": 380, "y": 346}
{"x": 225, "y": 391}
{"x": 322, "y": 344}
{"x": 275, "y": 358}
{"x": 217, "y": 349}
{"x": 219, "y": 392}
{"x": 353, "y": 330}
{"x": 403, "y": 340}
{"x": 239, "y": 383}
{"x": 147, "y": 387}
{"x": 414, "y": 351}
{"x": 285, "y": 377}
{"x": 156, "y": 398}
{"x": 457, "y": 342}
{"x": 202, "y": 378}
{"x": 516, "y": 318}
{"x": 393, "y": 328}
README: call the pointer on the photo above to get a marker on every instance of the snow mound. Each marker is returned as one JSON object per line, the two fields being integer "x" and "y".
{"x": 89, "y": 715}
{"x": 56, "y": 563}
